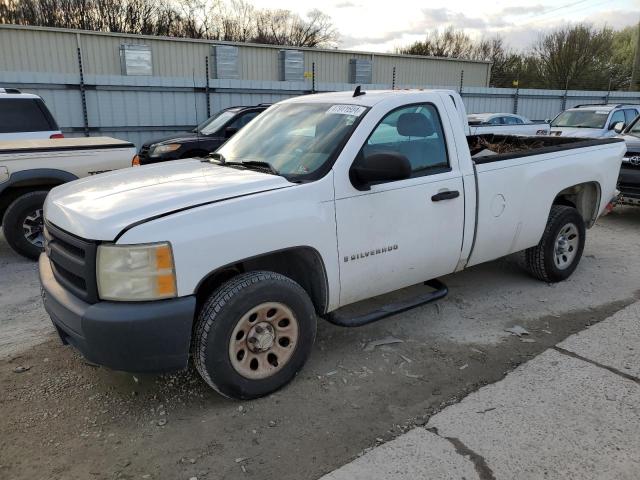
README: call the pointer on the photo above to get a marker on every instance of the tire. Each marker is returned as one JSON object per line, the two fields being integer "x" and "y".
{"x": 25, "y": 211}
{"x": 557, "y": 255}
{"x": 226, "y": 326}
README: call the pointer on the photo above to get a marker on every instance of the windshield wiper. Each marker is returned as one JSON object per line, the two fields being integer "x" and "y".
{"x": 249, "y": 164}
{"x": 254, "y": 165}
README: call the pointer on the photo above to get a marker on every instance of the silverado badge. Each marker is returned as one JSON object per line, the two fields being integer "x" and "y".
{"x": 370, "y": 253}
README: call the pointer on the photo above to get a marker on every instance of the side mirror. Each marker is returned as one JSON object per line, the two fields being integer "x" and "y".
{"x": 230, "y": 131}
{"x": 547, "y": 120}
{"x": 379, "y": 167}
{"x": 617, "y": 127}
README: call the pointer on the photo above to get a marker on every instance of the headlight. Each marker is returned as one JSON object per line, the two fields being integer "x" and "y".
{"x": 136, "y": 272}
{"x": 160, "y": 149}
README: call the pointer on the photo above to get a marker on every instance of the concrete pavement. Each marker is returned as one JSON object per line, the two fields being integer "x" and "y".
{"x": 572, "y": 412}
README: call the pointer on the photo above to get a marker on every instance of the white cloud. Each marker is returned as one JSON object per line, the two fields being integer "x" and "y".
{"x": 378, "y": 25}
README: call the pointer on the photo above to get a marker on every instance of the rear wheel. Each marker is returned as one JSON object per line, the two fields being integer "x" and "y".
{"x": 559, "y": 251}
{"x": 254, "y": 334}
{"x": 23, "y": 224}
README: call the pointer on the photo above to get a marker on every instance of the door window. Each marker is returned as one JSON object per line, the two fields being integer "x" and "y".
{"x": 618, "y": 116}
{"x": 496, "y": 121}
{"x": 243, "y": 120}
{"x": 415, "y": 132}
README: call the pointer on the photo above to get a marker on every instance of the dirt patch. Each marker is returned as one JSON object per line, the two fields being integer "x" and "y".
{"x": 64, "y": 419}
{"x": 72, "y": 420}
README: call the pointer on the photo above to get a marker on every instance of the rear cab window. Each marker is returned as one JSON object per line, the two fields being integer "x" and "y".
{"x": 25, "y": 115}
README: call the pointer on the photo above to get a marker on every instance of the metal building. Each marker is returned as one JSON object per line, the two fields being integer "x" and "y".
{"x": 139, "y": 88}
{"x": 52, "y": 50}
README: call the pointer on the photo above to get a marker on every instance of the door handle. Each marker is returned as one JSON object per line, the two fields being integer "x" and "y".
{"x": 447, "y": 195}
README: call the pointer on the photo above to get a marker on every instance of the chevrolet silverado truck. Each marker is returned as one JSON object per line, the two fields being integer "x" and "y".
{"x": 30, "y": 168}
{"x": 320, "y": 202}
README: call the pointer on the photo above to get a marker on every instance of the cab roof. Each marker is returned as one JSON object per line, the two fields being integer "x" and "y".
{"x": 368, "y": 98}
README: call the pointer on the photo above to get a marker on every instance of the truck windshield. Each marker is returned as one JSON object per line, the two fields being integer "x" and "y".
{"x": 213, "y": 124}
{"x": 581, "y": 119}
{"x": 295, "y": 139}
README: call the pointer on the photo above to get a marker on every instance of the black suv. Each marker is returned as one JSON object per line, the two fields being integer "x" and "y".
{"x": 629, "y": 180}
{"x": 202, "y": 140}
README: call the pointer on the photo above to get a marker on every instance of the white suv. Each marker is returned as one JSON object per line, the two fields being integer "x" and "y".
{"x": 594, "y": 121}
{"x": 24, "y": 116}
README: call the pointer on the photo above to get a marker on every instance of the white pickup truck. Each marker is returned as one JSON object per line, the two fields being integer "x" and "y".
{"x": 30, "y": 168}
{"x": 314, "y": 205}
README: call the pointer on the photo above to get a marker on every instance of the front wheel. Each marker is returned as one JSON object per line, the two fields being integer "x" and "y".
{"x": 23, "y": 224}
{"x": 254, "y": 334}
{"x": 559, "y": 251}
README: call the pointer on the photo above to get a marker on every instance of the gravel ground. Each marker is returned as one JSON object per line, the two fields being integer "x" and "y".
{"x": 63, "y": 418}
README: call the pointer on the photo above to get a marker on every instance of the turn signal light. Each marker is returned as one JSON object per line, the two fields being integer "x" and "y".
{"x": 136, "y": 161}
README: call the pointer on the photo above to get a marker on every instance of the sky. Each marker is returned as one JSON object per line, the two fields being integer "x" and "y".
{"x": 381, "y": 26}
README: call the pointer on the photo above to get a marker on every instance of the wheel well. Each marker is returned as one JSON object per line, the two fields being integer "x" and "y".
{"x": 584, "y": 197}
{"x": 9, "y": 194}
{"x": 302, "y": 264}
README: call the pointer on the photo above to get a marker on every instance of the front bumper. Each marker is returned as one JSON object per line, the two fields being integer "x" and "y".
{"x": 129, "y": 336}
{"x": 629, "y": 185}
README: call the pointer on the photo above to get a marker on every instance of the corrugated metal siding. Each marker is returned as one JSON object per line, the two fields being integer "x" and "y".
{"x": 54, "y": 50}
{"x": 37, "y": 51}
{"x": 258, "y": 63}
{"x": 428, "y": 72}
{"x": 171, "y": 59}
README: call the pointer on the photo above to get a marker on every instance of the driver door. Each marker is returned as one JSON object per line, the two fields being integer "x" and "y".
{"x": 401, "y": 233}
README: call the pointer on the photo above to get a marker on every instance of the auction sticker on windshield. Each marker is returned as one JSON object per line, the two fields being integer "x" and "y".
{"x": 355, "y": 110}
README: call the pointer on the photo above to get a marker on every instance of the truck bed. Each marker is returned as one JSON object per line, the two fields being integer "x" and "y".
{"x": 495, "y": 148}
{"x": 62, "y": 144}
{"x": 515, "y": 188}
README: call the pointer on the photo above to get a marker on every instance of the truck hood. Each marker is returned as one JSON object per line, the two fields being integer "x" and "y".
{"x": 579, "y": 132}
{"x": 100, "y": 207}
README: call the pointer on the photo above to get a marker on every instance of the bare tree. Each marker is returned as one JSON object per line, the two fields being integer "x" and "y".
{"x": 449, "y": 43}
{"x": 233, "y": 20}
{"x": 283, "y": 27}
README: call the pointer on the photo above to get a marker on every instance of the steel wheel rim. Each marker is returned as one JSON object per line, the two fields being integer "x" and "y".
{"x": 566, "y": 246}
{"x": 263, "y": 340}
{"x": 32, "y": 228}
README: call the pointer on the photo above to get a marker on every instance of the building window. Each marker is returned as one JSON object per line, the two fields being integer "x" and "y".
{"x": 136, "y": 60}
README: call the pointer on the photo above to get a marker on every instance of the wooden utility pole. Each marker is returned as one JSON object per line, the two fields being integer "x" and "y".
{"x": 635, "y": 72}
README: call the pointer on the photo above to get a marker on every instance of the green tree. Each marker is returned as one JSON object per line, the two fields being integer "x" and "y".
{"x": 624, "y": 45}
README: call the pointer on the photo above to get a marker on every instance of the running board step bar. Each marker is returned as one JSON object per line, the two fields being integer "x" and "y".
{"x": 440, "y": 291}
